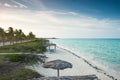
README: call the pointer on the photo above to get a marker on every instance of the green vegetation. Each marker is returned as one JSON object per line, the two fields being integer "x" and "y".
{"x": 24, "y": 58}
{"x": 35, "y": 46}
{"x": 20, "y": 74}
{"x": 2, "y": 57}
{"x": 14, "y": 36}
{"x": 12, "y": 66}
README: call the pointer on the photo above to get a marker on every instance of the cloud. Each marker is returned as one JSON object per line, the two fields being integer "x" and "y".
{"x": 20, "y": 5}
{"x": 7, "y": 5}
{"x": 73, "y": 13}
{"x": 51, "y": 23}
{"x": 11, "y": 4}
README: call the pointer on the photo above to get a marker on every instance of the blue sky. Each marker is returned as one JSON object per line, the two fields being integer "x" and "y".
{"x": 95, "y": 8}
{"x": 63, "y": 18}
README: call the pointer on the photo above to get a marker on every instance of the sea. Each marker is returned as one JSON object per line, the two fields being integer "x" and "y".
{"x": 104, "y": 53}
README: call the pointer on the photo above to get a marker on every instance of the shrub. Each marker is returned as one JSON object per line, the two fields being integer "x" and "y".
{"x": 22, "y": 74}
{"x": 36, "y": 46}
{"x": 15, "y": 57}
{"x": 24, "y": 58}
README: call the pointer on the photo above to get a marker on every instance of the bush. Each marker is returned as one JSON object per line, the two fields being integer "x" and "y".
{"x": 24, "y": 58}
{"x": 22, "y": 74}
{"x": 2, "y": 58}
{"x": 15, "y": 57}
{"x": 36, "y": 46}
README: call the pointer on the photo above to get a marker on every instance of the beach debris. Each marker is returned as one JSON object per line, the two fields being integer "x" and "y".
{"x": 57, "y": 64}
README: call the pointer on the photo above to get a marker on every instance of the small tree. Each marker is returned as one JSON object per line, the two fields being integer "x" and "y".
{"x": 2, "y": 35}
{"x": 16, "y": 35}
{"x": 11, "y": 35}
{"x": 31, "y": 36}
{"x": 20, "y": 34}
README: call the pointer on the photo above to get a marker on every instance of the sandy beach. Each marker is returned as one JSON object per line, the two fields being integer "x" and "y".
{"x": 80, "y": 66}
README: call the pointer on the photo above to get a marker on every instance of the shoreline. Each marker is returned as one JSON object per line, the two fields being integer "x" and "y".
{"x": 81, "y": 66}
{"x": 91, "y": 65}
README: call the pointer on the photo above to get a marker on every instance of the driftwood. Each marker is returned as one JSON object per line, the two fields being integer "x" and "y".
{"x": 86, "y": 77}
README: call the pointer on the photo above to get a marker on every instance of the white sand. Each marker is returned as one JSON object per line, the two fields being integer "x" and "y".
{"x": 80, "y": 67}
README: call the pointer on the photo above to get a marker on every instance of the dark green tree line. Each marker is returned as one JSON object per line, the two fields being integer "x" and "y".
{"x": 14, "y": 35}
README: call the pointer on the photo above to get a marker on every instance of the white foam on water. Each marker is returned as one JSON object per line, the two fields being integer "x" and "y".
{"x": 104, "y": 66}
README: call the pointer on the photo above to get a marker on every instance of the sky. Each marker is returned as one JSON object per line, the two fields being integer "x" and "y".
{"x": 63, "y": 18}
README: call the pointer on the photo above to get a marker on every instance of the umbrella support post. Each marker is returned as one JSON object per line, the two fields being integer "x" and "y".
{"x": 58, "y": 73}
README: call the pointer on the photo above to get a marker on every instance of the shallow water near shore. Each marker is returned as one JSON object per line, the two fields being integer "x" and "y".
{"x": 105, "y": 53}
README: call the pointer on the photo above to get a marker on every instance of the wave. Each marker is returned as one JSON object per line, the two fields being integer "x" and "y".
{"x": 96, "y": 67}
{"x": 99, "y": 65}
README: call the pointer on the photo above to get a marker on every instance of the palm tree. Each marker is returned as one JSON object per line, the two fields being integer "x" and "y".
{"x": 2, "y": 35}
{"x": 16, "y": 35}
{"x": 20, "y": 34}
{"x": 23, "y": 36}
{"x": 11, "y": 35}
{"x": 31, "y": 36}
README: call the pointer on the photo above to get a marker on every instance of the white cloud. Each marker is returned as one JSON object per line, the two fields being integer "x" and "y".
{"x": 20, "y": 5}
{"x": 7, "y": 5}
{"x": 11, "y": 4}
{"x": 73, "y": 13}
{"x": 15, "y": 6}
{"x": 58, "y": 24}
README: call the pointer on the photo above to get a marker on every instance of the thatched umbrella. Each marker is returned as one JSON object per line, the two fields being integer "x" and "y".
{"x": 57, "y": 64}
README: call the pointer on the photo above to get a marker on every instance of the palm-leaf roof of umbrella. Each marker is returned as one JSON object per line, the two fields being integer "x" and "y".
{"x": 57, "y": 64}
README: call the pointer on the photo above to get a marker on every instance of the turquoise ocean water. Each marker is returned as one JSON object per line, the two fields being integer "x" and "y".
{"x": 105, "y": 52}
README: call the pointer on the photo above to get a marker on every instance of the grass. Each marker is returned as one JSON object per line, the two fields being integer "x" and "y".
{"x": 21, "y": 74}
{"x": 24, "y": 58}
{"x": 12, "y": 65}
{"x": 32, "y": 47}
{"x": 2, "y": 57}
